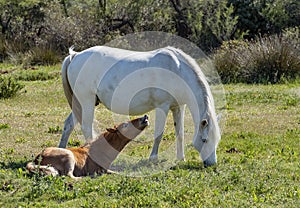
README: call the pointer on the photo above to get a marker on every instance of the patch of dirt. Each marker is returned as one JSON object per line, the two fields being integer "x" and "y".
{"x": 4, "y": 72}
{"x": 295, "y": 91}
{"x": 233, "y": 150}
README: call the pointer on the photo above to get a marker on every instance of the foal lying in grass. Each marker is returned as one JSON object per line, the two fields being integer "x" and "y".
{"x": 94, "y": 157}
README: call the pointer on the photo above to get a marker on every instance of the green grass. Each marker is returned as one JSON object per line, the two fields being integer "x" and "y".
{"x": 258, "y": 156}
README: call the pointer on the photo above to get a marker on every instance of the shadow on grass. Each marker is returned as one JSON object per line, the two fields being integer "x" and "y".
{"x": 189, "y": 165}
{"x": 13, "y": 165}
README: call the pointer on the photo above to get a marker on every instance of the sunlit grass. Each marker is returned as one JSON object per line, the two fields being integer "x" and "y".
{"x": 258, "y": 156}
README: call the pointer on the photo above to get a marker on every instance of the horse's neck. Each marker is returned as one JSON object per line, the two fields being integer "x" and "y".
{"x": 200, "y": 106}
{"x": 200, "y": 99}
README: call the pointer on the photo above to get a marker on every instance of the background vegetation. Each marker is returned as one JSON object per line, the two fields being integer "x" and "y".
{"x": 38, "y": 32}
{"x": 250, "y": 42}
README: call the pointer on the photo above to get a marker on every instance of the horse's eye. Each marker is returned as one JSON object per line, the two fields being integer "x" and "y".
{"x": 125, "y": 125}
{"x": 204, "y": 123}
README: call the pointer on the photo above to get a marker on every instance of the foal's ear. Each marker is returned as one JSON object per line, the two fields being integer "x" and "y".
{"x": 111, "y": 130}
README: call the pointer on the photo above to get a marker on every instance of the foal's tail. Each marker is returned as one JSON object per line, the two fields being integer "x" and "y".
{"x": 64, "y": 73}
{"x": 48, "y": 170}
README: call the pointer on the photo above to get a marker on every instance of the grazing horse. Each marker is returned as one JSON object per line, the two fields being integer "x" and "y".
{"x": 95, "y": 157}
{"x": 133, "y": 83}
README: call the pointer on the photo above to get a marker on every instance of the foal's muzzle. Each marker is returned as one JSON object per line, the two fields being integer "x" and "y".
{"x": 145, "y": 120}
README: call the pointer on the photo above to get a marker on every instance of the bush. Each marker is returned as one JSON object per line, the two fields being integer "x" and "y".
{"x": 41, "y": 56}
{"x": 36, "y": 56}
{"x": 266, "y": 60}
{"x": 3, "y": 53}
{"x": 34, "y": 75}
{"x": 226, "y": 60}
{"x": 9, "y": 87}
{"x": 293, "y": 36}
{"x": 270, "y": 60}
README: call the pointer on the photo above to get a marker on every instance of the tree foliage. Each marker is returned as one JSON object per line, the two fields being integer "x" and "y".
{"x": 270, "y": 59}
{"x": 58, "y": 24}
{"x": 266, "y": 16}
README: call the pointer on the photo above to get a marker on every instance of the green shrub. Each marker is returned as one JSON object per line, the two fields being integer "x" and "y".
{"x": 270, "y": 59}
{"x": 9, "y": 87}
{"x": 34, "y": 75}
{"x": 41, "y": 56}
{"x": 227, "y": 61}
{"x": 293, "y": 36}
{"x": 54, "y": 130}
{"x": 265, "y": 16}
{"x": 36, "y": 56}
{"x": 3, "y": 53}
{"x": 4, "y": 126}
{"x": 266, "y": 60}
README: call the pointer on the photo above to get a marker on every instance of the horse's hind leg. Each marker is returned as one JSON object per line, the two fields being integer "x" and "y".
{"x": 178, "y": 117}
{"x": 160, "y": 122}
{"x": 69, "y": 125}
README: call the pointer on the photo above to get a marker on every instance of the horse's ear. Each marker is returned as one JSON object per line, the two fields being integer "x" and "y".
{"x": 111, "y": 130}
{"x": 219, "y": 116}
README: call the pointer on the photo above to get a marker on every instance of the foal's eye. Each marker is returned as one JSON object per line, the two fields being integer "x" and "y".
{"x": 125, "y": 125}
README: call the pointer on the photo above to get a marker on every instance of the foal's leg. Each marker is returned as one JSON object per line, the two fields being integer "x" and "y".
{"x": 178, "y": 117}
{"x": 160, "y": 122}
{"x": 69, "y": 165}
{"x": 69, "y": 125}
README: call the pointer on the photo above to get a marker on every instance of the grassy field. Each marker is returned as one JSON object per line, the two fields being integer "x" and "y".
{"x": 258, "y": 156}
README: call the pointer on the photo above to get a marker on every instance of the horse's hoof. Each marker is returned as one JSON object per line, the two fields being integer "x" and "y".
{"x": 180, "y": 159}
{"x": 153, "y": 158}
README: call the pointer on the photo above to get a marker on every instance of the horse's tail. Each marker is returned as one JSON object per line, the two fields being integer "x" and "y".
{"x": 48, "y": 170}
{"x": 64, "y": 73}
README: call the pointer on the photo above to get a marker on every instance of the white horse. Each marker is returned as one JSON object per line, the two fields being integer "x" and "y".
{"x": 133, "y": 83}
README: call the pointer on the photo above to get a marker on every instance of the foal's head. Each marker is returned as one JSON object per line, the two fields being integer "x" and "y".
{"x": 131, "y": 129}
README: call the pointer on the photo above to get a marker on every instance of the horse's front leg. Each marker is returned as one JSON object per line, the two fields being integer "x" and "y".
{"x": 160, "y": 122}
{"x": 69, "y": 125}
{"x": 88, "y": 107}
{"x": 178, "y": 117}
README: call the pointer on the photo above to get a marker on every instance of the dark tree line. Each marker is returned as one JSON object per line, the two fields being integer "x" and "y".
{"x": 57, "y": 24}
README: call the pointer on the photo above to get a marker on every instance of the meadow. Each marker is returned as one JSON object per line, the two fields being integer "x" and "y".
{"x": 258, "y": 155}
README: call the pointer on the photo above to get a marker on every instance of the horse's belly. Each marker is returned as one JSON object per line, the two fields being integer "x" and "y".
{"x": 137, "y": 110}
{"x": 137, "y": 103}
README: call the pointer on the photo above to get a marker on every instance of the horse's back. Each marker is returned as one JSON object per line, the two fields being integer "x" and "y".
{"x": 107, "y": 54}
{"x": 93, "y": 63}
{"x": 143, "y": 80}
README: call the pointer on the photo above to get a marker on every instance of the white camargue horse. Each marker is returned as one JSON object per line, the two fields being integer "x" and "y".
{"x": 133, "y": 83}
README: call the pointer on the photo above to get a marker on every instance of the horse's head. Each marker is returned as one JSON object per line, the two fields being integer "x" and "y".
{"x": 207, "y": 139}
{"x": 132, "y": 128}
